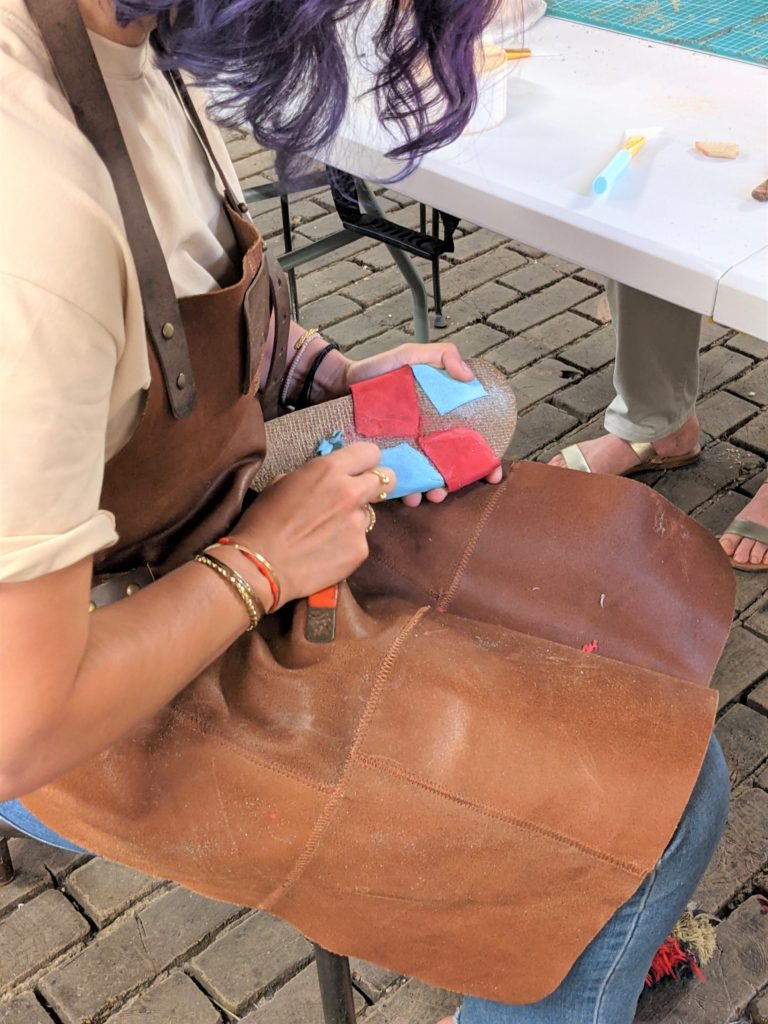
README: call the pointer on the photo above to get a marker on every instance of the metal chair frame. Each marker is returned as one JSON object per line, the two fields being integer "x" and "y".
{"x": 333, "y": 972}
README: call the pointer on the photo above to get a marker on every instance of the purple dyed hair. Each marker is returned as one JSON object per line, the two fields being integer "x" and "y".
{"x": 281, "y": 66}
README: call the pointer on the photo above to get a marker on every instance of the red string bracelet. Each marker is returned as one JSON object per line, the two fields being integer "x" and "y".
{"x": 262, "y": 565}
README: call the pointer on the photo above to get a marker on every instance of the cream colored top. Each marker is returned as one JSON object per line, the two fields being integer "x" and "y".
{"x": 73, "y": 359}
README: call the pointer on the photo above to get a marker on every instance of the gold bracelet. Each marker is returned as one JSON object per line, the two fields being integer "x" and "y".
{"x": 302, "y": 339}
{"x": 264, "y": 567}
{"x": 246, "y": 592}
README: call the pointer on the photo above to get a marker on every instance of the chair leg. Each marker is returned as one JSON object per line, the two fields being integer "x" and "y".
{"x": 406, "y": 267}
{"x": 439, "y": 320}
{"x": 335, "y": 987}
{"x": 285, "y": 213}
{"x": 6, "y": 864}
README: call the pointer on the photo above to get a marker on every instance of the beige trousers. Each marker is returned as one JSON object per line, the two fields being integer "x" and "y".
{"x": 657, "y": 365}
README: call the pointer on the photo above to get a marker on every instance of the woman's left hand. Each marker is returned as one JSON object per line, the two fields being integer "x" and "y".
{"x": 445, "y": 356}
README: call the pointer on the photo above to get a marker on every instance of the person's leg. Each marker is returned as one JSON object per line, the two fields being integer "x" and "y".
{"x": 604, "y": 984}
{"x": 656, "y": 378}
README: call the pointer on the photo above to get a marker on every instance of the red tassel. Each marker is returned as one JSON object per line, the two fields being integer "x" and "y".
{"x": 673, "y": 961}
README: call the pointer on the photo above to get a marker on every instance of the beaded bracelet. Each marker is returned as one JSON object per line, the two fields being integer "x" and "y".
{"x": 246, "y": 592}
{"x": 264, "y": 567}
{"x": 303, "y": 400}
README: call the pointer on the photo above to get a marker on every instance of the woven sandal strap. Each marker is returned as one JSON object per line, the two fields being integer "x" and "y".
{"x": 574, "y": 459}
{"x": 746, "y": 528}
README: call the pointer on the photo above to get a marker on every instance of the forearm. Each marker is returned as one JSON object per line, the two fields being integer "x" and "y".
{"x": 330, "y": 379}
{"x": 139, "y": 653}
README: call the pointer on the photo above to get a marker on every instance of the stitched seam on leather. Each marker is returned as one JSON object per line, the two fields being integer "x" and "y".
{"x": 243, "y": 752}
{"x": 327, "y": 814}
{"x": 383, "y": 560}
{"x": 450, "y": 592}
{"x": 381, "y": 764}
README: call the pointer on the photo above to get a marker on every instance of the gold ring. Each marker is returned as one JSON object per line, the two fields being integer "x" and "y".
{"x": 385, "y": 478}
{"x": 381, "y": 496}
{"x": 371, "y": 517}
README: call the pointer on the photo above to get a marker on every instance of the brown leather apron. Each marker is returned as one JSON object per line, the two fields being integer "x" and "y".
{"x": 451, "y": 788}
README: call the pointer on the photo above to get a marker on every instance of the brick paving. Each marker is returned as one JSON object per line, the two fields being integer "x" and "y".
{"x": 83, "y": 941}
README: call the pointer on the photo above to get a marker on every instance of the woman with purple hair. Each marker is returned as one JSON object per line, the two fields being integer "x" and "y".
{"x": 165, "y": 731}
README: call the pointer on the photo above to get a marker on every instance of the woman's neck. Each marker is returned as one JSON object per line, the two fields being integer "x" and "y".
{"x": 99, "y": 17}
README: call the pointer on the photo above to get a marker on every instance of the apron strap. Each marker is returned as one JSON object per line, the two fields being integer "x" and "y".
{"x": 278, "y": 292}
{"x": 77, "y": 69}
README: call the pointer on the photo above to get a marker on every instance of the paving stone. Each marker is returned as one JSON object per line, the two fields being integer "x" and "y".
{"x": 743, "y": 735}
{"x": 591, "y": 277}
{"x": 36, "y": 866}
{"x": 337, "y": 277}
{"x": 761, "y": 779}
{"x": 381, "y": 343}
{"x": 561, "y": 265}
{"x": 712, "y": 333}
{"x": 723, "y": 412}
{"x": 329, "y": 310}
{"x": 719, "y": 365}
{"x": 754, "y": 435}
{"x": 740, "y": 854}
{"x": 744, "y": 660}
{"x": 175, "y": 1000}
{"x": 25, "y": 1009}
{"x": 526, "y": 250}
{"x": 252, "y": 957}
{"x": 298, "y": 1002}
{"x": 132, "y": 953}
{"x": 753, "y": 385}
{"x": 750, "y": 346}
{"x": 561, "y": 329}
{"x": 414, "y": 1003}
{"x": 737, "y": 971}
{"x": 537, "y": 428}
{"x": 596, "y": 308}
{"x": 475, "y": 244}
{"x": 475, "y": 339}
{"x": 719, "y": 513}
{"x": 719, "y": 466}
{"x": 538, "y": 381}
{"x": 372, "y": 980}
{"x": 541, "y": 306}
{"x": 758, "y": 620}
{"x": 377, "y": 286}
{"x": 104, "y": 889}
{"x": 247, "y": 161}
{"x": 458, "y": 280}
{"x": 36, "y": 933}
{"x": 588, "y": 396}
{"x": 521, "y": 351}
{"x": 477, "y": 305}
{"x": 753, "y": 485}
{"x": 758, "y": 698}
{"x": 304, "y": 213}
{"x": 757, "y": 1011}
{"x": 531, "y": 277}
{"x": 749, "y": 587}
{"x": 594, "y": 351}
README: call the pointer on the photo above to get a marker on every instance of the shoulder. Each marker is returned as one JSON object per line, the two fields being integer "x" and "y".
{"x": 57, "y": 201}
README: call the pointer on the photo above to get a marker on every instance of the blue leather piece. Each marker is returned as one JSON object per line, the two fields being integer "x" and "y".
{"x": 445, "y": 393}
{"x": 415, "y": 473}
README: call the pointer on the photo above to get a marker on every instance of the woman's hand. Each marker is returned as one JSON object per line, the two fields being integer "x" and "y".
{"x": 311, "y": 523}
{"x": 443, "y": 355}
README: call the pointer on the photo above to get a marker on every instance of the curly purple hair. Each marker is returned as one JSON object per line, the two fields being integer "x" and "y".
{"x": 280, "y": 65}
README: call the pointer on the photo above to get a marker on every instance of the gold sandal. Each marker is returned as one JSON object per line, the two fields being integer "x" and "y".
{"x": 645, "y": 451}
{"x": 752, "y": 531}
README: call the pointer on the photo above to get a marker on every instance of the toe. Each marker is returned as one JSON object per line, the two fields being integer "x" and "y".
{"x": 743, "y": 550}
{"x": 758, "y": 553}
{"x": 729, "y": 542}
{"x": 558, "y": 460}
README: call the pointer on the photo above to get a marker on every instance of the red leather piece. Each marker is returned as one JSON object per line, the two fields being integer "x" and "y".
{"x": 461, "y": 456}
{"x": 387, "y": 406}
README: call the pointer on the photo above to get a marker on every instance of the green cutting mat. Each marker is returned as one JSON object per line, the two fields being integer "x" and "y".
{"x": 729, "y": 28}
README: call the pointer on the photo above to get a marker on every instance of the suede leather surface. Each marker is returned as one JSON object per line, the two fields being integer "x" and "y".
{"x": 451, "y": 788}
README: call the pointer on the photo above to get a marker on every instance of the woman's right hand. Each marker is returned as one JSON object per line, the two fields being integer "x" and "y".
{"x": 311, "y": 523}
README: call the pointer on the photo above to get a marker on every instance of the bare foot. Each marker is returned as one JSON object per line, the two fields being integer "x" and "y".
{"x": 610, "y": 454}
{"x": 742, "y": 549}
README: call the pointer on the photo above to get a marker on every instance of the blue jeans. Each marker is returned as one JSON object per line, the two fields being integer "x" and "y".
{"x": 604, "y": 984}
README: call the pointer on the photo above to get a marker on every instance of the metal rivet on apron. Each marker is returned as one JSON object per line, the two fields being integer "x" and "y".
{"x": 131, "y": 589}
{"x": 91, "y": 606}
{"x": 181, "y": 381}
{"x": 168, "y": 330}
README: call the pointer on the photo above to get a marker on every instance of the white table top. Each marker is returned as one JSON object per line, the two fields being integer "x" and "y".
{"x": 677, "y": 223}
